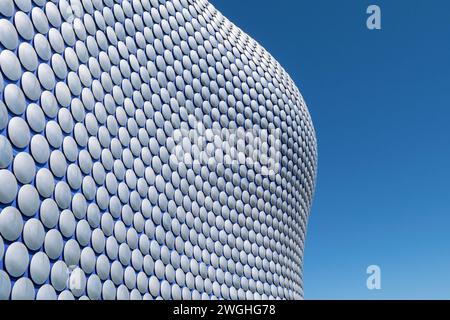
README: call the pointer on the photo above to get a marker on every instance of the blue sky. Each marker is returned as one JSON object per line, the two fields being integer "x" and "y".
{"x": 380, "y": 102}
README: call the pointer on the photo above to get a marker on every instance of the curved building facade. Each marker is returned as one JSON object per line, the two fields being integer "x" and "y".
{"x": 148, "y": 149}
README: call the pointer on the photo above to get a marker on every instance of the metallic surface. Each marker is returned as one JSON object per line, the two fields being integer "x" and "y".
{"x": 95, "y": 201}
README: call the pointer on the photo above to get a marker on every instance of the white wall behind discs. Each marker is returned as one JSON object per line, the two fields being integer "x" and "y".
{"x": 148, "y": 149}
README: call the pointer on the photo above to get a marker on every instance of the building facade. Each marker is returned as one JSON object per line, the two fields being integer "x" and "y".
{"x": 148, "y": 149}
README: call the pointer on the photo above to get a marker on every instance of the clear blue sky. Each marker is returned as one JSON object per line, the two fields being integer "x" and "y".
{"x": 380, "y": 102}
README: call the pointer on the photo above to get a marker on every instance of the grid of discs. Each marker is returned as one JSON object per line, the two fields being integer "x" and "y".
{"x": 91, "y": 205}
